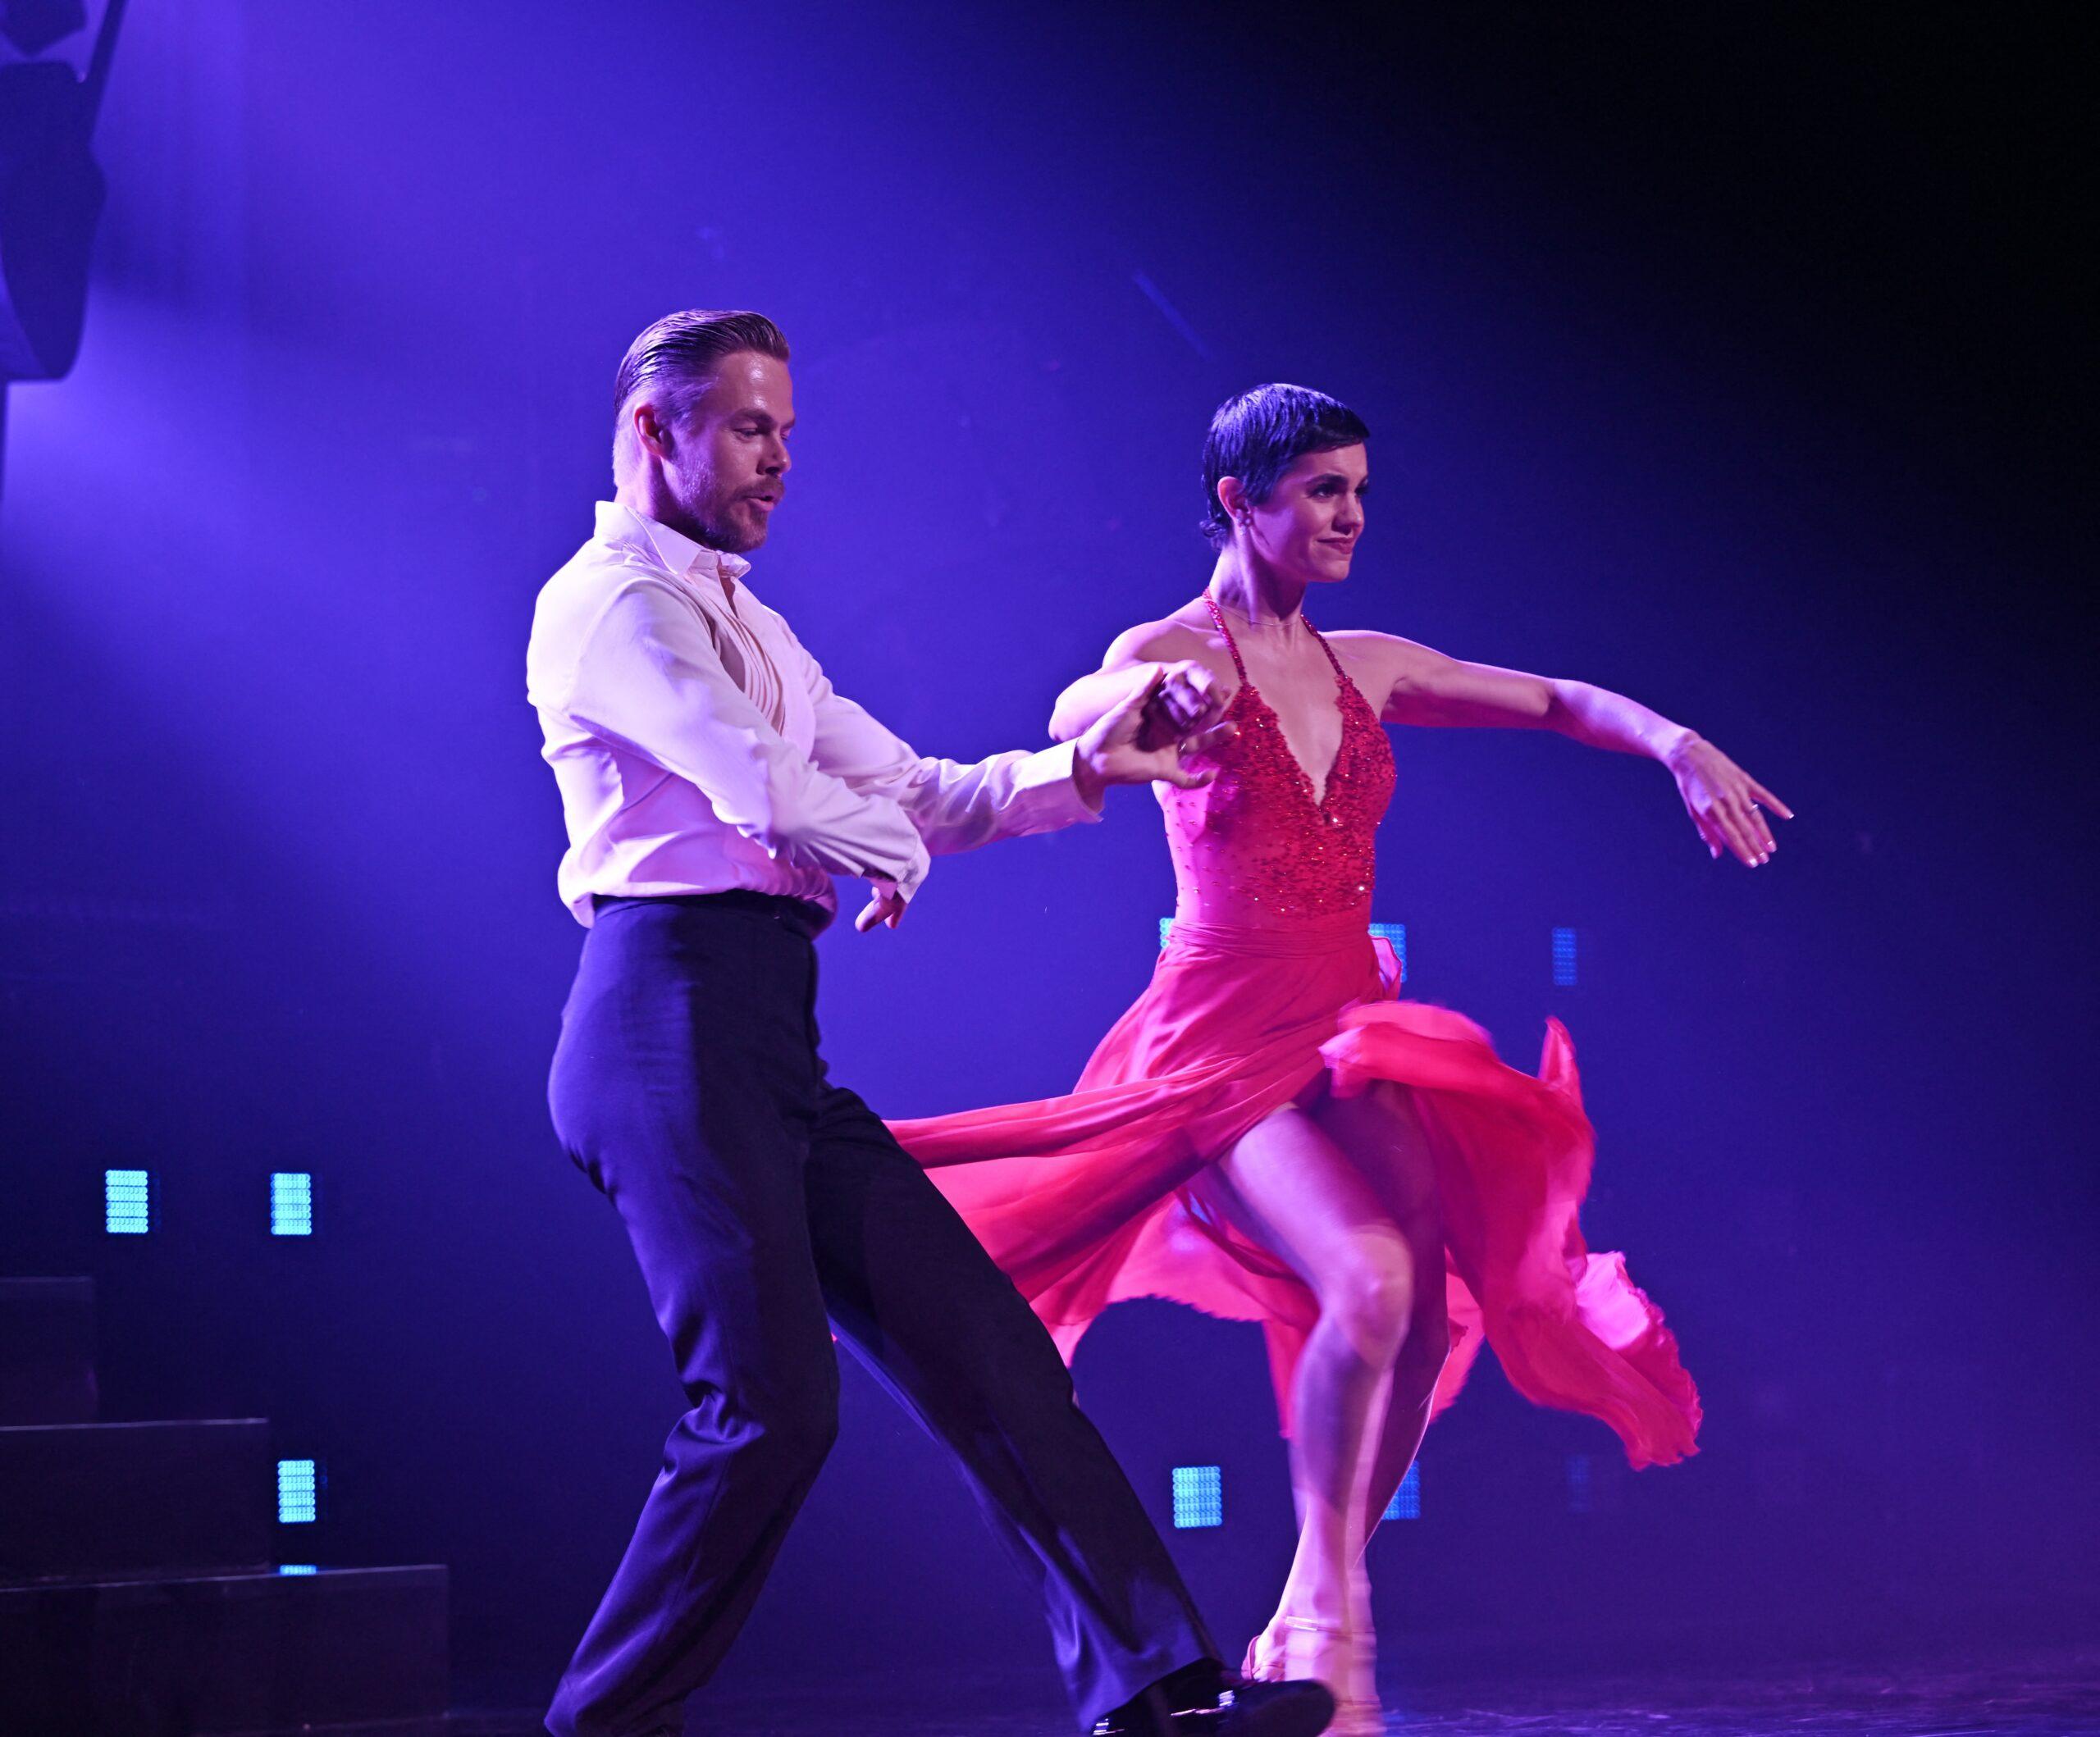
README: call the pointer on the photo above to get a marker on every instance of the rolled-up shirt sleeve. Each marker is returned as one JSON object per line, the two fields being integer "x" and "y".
{"x": 953, "y": 806}
{"x": 647, "y": 676}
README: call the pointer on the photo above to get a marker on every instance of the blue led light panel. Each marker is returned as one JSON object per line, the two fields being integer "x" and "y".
{"x": 298, "y": 1492}
{"x": 1581, "y": 1489}
{"x": 291, "y": 1203}
{"x": 1564, "y": 958}
{"x": 1199, "y": 1496}
{"x": 1396, "y": 933}
{"x": 298, "y": 1568}
{"x": 127, "y": 1202}
{"x": 1407, "y": 1500}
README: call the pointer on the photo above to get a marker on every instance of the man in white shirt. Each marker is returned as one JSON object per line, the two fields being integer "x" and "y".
{"x": 713, "y": 783}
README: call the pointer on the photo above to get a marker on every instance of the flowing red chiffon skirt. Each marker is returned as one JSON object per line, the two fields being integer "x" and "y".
{"x": 1103, "y": 1194}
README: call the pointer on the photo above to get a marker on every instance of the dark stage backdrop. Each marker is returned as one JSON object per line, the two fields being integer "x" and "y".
{"x": 1726, "y": 355}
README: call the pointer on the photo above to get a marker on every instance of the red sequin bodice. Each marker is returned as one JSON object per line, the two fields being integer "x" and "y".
{"x": 1255, "y": 846}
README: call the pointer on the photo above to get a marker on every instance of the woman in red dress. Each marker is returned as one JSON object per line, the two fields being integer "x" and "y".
{"x": 1271, "y": 1134}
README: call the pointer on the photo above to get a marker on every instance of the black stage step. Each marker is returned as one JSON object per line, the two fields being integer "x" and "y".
{"x": 83, "y": 1500}
{"x": 46, "y": 1351}
{"x": 248, "y": 1653}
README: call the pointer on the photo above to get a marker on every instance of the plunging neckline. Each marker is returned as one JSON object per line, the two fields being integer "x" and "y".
{"x": 1326, "y": 788}
{"x": 1319, "y": 799}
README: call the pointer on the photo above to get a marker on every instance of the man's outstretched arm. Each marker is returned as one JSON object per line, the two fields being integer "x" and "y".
{"x": 958, "y": 807}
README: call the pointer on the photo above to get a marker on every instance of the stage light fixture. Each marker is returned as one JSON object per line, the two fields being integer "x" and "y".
{"x": 1407, "y": 1500}
{"x": 1581, "y": 1488}
{"x": 127, "y": 1198}
{"x": 1564, "y": 958}
{"x": 1199, "y": 1496}
{"x": 50, "y": 189}
{"x": 34, "y": 25}
{"x": 298, "y": 1492}
{"x": 291, "y": 1203}
{"x": 298, "y": 1568}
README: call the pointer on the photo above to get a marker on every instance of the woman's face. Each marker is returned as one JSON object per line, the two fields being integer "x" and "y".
{"x": 1307, "y": 529}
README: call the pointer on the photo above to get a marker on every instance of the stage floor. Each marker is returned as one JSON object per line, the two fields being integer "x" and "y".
{"x": 2057, "y": 1694}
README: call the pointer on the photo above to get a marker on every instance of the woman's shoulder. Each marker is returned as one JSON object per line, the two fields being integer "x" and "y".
{"x": 1365, "y": 645}
{"x": 1167, "y": 641}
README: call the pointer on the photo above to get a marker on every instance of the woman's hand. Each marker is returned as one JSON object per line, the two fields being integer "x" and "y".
{"x": 1723, "y": 801}
{"x": 1184, "y": 706}
{"x": 1115, "y": 749}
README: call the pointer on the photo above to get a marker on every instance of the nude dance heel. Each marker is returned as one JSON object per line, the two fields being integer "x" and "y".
{"x": 1292, "y": 1648}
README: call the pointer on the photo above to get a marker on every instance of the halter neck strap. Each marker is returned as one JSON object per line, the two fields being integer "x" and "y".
{"x": 1232, "y": 646}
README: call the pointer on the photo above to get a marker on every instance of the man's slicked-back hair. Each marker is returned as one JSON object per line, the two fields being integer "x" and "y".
{"x": 1259, "y": 435}
{"x": 673, "y": 359}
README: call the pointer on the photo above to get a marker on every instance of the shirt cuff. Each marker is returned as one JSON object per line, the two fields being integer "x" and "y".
{"x": 1046, "y": 794}
{"x": 908, "y": 882}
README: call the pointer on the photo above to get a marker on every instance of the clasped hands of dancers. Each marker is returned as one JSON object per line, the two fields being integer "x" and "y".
{"x": 1270, "y": 1134}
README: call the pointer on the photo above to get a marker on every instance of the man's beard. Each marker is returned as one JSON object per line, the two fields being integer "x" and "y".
{"x": 719, "y": 530}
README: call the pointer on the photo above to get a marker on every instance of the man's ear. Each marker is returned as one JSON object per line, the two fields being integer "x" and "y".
{"x": 652, "y": 432}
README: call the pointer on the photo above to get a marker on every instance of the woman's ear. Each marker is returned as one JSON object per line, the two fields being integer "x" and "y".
{"x": 1232, "y": 497}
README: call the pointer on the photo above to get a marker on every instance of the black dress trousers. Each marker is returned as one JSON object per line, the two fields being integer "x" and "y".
{"x": 767, "y": 1207}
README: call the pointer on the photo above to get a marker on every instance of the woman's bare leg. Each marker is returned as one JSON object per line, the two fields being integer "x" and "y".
{"x": 1289, "y": 1186}
{"x": 1384, "y": 1141}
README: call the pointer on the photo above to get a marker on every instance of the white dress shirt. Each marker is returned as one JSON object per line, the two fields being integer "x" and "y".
{"x": 699, "y": 748}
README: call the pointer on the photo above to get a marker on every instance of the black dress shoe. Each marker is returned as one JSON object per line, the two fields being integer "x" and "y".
{"x": 1300, "y": 1709}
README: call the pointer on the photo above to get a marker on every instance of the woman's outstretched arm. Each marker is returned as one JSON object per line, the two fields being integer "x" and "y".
{"x": 1189, "y": 694}
{"x": 1723, "y": 801}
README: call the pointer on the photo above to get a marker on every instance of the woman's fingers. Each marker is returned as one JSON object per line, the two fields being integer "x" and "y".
{"x": 1755, "y": 847}
{"x": 1765, "y": 796}
{"x": 1182, "y": 779}
{"x": 1739, "y": 837}
{"x": 1723, "y": 838}
{"x": 1760, "y": 828}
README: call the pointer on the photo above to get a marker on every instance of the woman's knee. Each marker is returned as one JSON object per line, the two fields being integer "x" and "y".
{"x": 1370, "y": 1294}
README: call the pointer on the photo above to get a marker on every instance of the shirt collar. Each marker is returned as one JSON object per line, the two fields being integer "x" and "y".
{"x": 623, "y": 526}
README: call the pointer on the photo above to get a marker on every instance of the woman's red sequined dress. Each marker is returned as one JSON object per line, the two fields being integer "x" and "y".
{"x": 1270, "y": 978}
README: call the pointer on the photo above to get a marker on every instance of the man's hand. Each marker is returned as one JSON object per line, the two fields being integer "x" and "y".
{"x": 1113, "y": 752}
{"x": 887, "y": 907}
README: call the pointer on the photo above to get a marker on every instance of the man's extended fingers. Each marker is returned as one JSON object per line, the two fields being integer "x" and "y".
{"x": 885, "y": 908}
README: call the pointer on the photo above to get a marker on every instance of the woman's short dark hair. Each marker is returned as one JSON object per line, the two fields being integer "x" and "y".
{"x": 1260, "y": 435}
{"x": 678, "y": 353}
